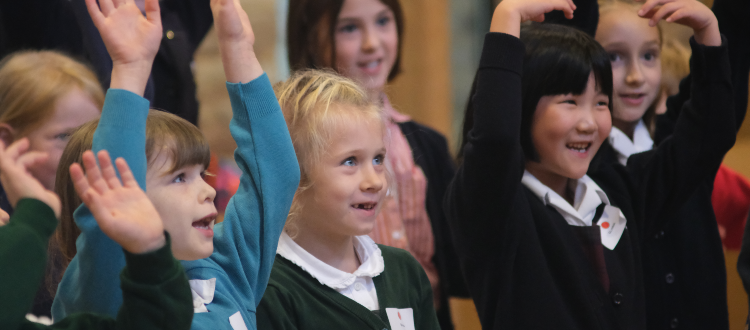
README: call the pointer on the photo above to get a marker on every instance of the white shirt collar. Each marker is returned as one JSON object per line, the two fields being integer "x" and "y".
{"x": 368, "y": 252}
{"x": 625, "y": 147}
{"x": 588, "y": 197}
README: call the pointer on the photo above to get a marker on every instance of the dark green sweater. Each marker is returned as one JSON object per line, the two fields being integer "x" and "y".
{"x": 296, "y": 300}
{"x": 155, "y": 290}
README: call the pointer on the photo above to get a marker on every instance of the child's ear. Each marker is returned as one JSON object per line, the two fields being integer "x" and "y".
{"x": 7, "y": 134}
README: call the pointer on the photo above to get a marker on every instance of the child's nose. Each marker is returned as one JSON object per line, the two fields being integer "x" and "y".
{"x": 207, "y": 193}
{"x": 372, "y": 180}
{"x": 371, "y": 39}
{"x": 635, "y": 74}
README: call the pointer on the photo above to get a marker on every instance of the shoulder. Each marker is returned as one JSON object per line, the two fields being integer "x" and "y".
{"x": 399, "y": 261}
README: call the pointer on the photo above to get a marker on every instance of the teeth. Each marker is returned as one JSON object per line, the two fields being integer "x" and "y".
{"x": 371, "y": 65}
{"x": 579, "y": 147}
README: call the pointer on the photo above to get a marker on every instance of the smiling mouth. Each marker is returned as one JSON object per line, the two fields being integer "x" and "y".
{"x": 365, "y": 206}
{"x": 579, "y": 147}
{"x": 370, "y": 65}
{"x": 205, "y": 223}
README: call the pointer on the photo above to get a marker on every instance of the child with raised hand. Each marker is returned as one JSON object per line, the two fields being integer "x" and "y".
{"x": 176, "y": 162}
{"x": 225, "y": 285}
{"x": 683, "y": 263}
{"x": 329, "y": 274}
{"x": 156, "y": 292}
{"x": 536, "y": 234}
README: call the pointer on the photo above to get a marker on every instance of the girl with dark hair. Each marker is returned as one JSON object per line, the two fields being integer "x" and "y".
{"x": 361, "y": 39}
{"x": 543, "y": 244}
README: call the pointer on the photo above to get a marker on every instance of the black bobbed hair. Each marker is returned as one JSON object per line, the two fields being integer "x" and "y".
{"x": 558, "y": 60}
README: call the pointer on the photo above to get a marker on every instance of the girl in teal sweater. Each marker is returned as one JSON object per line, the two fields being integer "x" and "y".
{"x": 328, "y": 273}
{"x": 227, "y": 285}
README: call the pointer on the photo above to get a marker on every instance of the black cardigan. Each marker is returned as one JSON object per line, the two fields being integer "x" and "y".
{"x": 522, "y": 263}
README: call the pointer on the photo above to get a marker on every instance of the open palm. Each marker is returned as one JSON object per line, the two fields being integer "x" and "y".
{"x": 128, "y": 35}
{"x": 18, "y": 181}
{"x": 232, "y": 23}
{"x": 122, "y": 209}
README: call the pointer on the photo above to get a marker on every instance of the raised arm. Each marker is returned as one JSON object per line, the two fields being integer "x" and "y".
{"x": 487, "y": 182}
{"x": 24, "y": 239}
{"x": 245, "y": 243}
{"x": 91, "y": 281}
{"x": 705, "y": 129}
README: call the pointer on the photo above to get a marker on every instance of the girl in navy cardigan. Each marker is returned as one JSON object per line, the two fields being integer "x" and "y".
{"x": 542, "y": 244}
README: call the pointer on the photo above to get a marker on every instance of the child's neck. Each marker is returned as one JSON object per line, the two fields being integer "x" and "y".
{"x": 626, "y": 127}
{"x": 336, "y": 251}
{"x": 565, "y": 187}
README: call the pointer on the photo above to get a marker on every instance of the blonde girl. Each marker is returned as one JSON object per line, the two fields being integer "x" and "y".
{"x": 328, "y": 273}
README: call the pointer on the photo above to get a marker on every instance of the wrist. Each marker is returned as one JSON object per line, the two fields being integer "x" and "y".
{"x": 131, "y": 76}
{"x": 708, "y": 36}
{"x": 149, "y": 245}
{"x": 505, "y": 20}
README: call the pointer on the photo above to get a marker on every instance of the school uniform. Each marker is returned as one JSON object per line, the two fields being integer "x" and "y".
{"x": 525, "y": 264}
{"x": 155, "y": 290}
{"x": 227, "y": 285}
{"x": 389, "y": 290}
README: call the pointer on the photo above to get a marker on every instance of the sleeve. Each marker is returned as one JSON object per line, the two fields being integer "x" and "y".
{"x": 91, "y": 282}
{"x": 705, "y": 130}
{"x": 245, "y": 243}
{"x": 275, "y": 312}
{"x": 736, "y": 28}
{"x": 156, "y": 297}
{"x": 487, "y": 182}
{"x": 23, "y": 253}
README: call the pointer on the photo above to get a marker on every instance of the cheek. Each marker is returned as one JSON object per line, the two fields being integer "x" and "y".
{"x": 618, "y": 77}
{"x": 604, "y": 123}
{"x": 346, "y": 53}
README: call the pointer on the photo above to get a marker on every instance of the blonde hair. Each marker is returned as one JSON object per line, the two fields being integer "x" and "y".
{"x": 316, "y": 104}
{"x": 31, "y": 82}
{"x": 675, "y": 65}
{"x": 165, "y": 132}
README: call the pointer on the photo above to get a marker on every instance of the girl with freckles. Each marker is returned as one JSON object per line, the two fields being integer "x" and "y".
{"x": 543, "y": 244}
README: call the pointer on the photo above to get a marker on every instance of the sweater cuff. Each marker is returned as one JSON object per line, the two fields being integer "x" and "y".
{"x": 502, "y": 51}
{"x": 153, "y": 267}
{"x": 709, "y": 62}
{"x": 124, "y": 109}
{"x": 254, "y": 99}
{"x": 37, "y": 215}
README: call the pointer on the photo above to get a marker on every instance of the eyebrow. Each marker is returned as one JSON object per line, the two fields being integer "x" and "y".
{"x": 382, "y": 12}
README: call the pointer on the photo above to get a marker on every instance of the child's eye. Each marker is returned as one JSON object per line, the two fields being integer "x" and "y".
{"x": 351, "y": 161}
{"x": 383, "y": 21}
{"x": 603, "y": 104}
{"x": 180, "y": 178}
{"x": 348, "y": 28}
{"x": 573, "y": 102}
{"x": 614, "y": 57}
{"x": 650, "y": 56}
{"x": 378, "y": 160}
{"x": 62, "y": 136}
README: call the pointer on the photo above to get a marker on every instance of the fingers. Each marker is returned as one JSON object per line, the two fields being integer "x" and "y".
{"x": 153, "y": 12}
{"x": 650, "y": 5}
{"x": 30, "y": 158}
{"x": 16, "y": 149}
{"x": 568, "y": 9}
{"x": 662, "y": 12}
{"x": 80, "y": 182}
{"x": 108, "y": 171}
{"x": 4, "y": 217}
{"x": 93, "y": 174}
{"x": 128, "y": 179}
{"x": 118, "y": 3}
{"x": 106, "y": 7}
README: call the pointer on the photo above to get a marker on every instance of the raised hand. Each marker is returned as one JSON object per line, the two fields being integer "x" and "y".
{"x": 122, "y": 209}
{"x": 691, "y": 13}
{"x": 16, "y": 179}
{"x": 236, "y": 40}
{"x": 509, "y": 14}
{"x": 132, "y": 40}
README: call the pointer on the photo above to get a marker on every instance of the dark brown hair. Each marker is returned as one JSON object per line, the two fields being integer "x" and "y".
{"x": 311, "y": 25}
{"x": 165, "y": 132}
